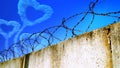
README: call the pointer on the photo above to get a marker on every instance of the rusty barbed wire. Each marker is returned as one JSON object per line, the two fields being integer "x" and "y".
{"x": 50, "y": 36}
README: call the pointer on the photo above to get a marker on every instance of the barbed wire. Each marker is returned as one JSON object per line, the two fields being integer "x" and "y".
{"x": 52, "y": 35}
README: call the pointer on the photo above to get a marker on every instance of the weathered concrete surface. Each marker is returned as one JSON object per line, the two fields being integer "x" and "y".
{"x": 90, "y": 50}
{"x": 115, "y": 44}
{"x": 15, "y": 63}
{"x": 97, "y": 49}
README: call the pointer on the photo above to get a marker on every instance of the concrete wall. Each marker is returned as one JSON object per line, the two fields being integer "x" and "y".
{"x": 97, "y": 49}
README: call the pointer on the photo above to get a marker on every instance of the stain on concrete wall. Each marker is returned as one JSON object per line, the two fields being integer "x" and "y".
{"x": 97, "y": 49}
{"x": 40, "y": 59}
{"x": 115, "y": 44}
{"x": 15, "y": 63}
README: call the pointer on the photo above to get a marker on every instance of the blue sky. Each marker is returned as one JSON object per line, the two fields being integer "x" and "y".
{"x": 61, "y": 8}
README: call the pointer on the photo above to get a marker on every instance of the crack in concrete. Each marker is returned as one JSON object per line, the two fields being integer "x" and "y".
{"x": 109, "y": 38}
{"x": 27, "y": 60}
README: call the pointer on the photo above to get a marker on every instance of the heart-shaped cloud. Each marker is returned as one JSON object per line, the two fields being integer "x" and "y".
{"x": 15, "y": 25}
{"x": 23, "y": 4}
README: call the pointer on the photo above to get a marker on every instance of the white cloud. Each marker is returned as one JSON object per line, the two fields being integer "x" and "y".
{"x": 23, "y": 4}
